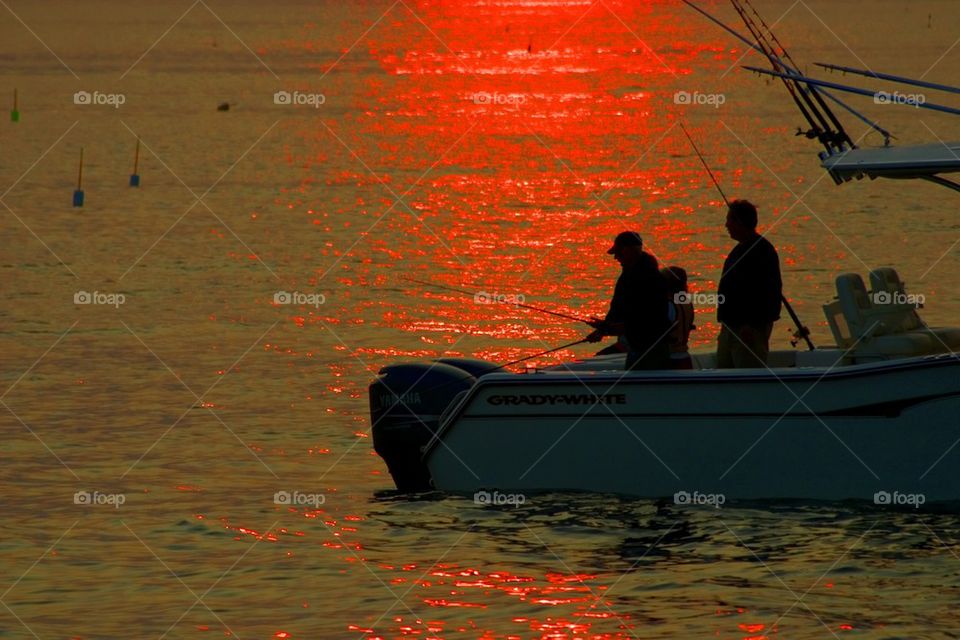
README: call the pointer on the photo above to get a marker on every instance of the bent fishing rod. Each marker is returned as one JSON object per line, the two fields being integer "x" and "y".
{"x": 802, "y": 331}
{"x": 536, "y": 355}
{"x": 513, "y": 302}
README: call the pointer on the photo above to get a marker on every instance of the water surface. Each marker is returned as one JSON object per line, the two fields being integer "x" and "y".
{"x": 492, "y": 146}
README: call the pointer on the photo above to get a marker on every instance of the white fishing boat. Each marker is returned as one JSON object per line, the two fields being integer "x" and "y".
{"x": 875, "y": 416}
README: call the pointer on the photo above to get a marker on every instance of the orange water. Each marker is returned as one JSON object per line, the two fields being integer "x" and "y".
{"x": 490, "y": 146}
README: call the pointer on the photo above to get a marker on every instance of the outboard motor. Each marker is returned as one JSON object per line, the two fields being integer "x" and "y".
{"x": 473, "y": 366}
{"x": 406, "y": 401}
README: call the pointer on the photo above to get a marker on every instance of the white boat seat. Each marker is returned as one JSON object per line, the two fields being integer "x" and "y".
{"x": 864, "y": 320}
{"x": 838, "y": 324}
{"x": 872, "y": 330}
{"x": 886, "y": 280}
{"x": 898, "y": 344}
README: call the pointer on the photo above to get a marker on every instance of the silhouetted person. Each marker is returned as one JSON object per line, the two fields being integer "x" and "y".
{"x": 750, "y": 292}
{"x": 682, "y": 317}
{"x": 639, "y": 308}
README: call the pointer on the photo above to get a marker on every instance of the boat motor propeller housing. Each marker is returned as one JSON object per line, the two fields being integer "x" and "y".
{"x": 406, "y": 401}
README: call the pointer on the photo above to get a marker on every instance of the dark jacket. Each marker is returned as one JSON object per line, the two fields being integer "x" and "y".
{"x": 640, "y": 301}
{"x": 750, "y": 286}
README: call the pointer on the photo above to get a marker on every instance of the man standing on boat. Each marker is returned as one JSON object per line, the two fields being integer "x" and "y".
{"x": 640, "y": 306}
{"x": 750, "y": 292}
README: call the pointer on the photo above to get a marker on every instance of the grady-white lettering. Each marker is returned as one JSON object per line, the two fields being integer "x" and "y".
{"x": 554, "y": 399}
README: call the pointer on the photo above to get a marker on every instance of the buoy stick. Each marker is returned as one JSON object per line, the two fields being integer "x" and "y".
{"x": 15, "y": 114}
{"x": 78, "y": 194}
{"x": 135, "y": 177}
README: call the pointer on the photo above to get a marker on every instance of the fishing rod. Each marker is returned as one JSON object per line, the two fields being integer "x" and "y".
{"x": 802, "y": 331}
{"x": 705, "y": 166}
{"x": 513, "y": 302}
{"x": 867, "y": 121}
{"x": 817, "y": 130}
{"x": 536, "y": 355}
{"x": 840, "y": 136}
{"x": 508, "y": 364}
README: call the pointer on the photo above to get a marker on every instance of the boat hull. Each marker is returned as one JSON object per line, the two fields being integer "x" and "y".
{"x": 855, "y": 432}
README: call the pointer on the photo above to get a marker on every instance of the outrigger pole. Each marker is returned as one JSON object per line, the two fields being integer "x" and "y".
{"x": 842, "y": 87}
{"x": 870, "y": 123}
{"x": 802, "y": 331}
{"x": 886, "y": 76}
{"x": 830, "y": 133}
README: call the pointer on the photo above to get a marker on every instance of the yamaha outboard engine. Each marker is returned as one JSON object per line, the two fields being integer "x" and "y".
{"x": 406, "y": 401}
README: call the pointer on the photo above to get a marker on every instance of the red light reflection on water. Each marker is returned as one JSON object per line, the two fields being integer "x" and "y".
{"x": 570, "y": 603}
{"x": 523, "y": 136}
{"x": 502, "y": 124}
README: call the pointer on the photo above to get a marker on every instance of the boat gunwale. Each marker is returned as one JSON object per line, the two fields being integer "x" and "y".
{"x": 669, "y": 376}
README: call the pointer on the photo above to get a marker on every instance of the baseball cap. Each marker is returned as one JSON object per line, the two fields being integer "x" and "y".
{"x": 626, "y": 239}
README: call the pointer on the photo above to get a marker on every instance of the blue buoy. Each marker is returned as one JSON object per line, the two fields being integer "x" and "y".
{"x": 78, "y": 194}
{"x": 135, "y": 177}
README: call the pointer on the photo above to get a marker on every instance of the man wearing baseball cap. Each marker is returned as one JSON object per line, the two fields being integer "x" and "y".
{"x": 640, "y": 306}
